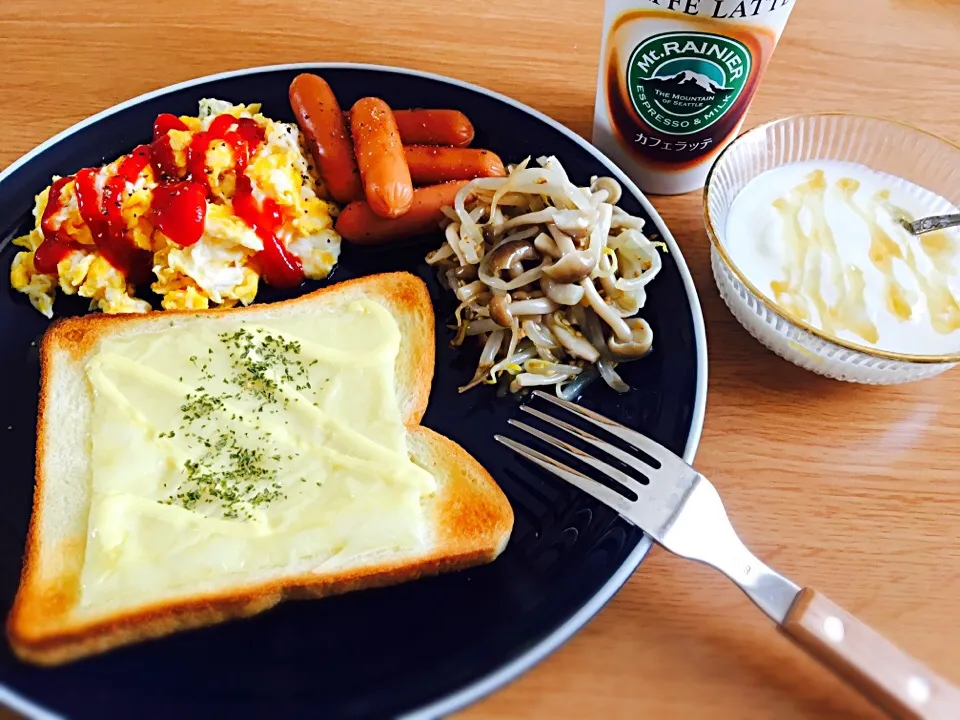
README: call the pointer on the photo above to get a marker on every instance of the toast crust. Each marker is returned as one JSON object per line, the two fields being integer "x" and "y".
{"x": 472, "y": 517}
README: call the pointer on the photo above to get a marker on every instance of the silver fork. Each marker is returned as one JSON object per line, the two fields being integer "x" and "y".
{"x": 681, "y": 510}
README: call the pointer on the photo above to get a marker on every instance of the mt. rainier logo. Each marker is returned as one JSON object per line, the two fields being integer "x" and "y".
{"x": 681, "y": 83}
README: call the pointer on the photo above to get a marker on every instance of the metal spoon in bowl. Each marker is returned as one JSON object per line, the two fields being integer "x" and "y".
{"x": 929, "y": 224}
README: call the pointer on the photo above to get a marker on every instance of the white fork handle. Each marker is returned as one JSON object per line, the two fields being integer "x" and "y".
{"x": 882, "y": 672}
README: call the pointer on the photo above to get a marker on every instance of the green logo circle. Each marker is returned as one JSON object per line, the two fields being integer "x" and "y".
{"x": 683, "y": 82}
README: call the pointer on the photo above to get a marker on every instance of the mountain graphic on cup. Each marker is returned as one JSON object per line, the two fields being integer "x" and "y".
{"x": 688, "y": 82}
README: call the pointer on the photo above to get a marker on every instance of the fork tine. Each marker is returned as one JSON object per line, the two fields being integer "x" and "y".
{"x": 641, "y": 442}
{"x": 624, "y": 457}
{"x": 591, "y": 487}
{"x": 605, "y": 468}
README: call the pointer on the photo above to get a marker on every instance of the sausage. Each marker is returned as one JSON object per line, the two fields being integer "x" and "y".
{"x": 322, "y": 123}
{"x": 359, "y": 224}
{"x": 383, "y": 167}
{"x": 430, "y": 164}
{"x": 434, "y": 127}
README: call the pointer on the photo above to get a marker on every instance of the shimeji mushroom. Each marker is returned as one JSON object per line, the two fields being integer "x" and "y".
{"x": 641, "y": 339}
{"x": 550, "y": 277}
{"x": 508, "y": 254}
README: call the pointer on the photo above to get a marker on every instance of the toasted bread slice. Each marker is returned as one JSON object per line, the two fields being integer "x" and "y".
{"x": 468, "y": 518}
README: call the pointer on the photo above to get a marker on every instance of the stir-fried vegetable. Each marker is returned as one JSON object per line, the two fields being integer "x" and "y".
{"x": 549, "y": 276}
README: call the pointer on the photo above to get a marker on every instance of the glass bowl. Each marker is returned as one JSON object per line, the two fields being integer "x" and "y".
{"x": 884, "y": 145}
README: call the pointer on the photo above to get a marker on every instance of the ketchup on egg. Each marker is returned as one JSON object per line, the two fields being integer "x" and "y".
{"x": 179, "y": 203}
{"x": 164, "y": 161}
{"x": 56, "y": 243}
{"x": 179, "y": 210}
{"x": 281, "y": 268}
{"x": 101, "y": 211}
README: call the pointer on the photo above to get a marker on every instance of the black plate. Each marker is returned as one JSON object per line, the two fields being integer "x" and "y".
{"x": 427, "y": 647}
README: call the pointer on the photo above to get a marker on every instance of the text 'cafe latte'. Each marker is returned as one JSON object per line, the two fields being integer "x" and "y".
{"x": 676, "y": 78}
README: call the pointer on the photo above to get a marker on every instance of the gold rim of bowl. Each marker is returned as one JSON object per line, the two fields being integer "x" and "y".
{"x": 770, "y": 304}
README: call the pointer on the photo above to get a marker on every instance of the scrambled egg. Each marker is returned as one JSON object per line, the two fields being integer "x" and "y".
{"x": 221, "y": 268}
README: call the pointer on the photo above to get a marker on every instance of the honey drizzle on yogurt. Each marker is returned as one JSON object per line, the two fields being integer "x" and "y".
{"x": 814, "y": 253}
{"x": 938, "y": 247}
{"x": 883, "y": 250}
{"x": 942, "y": 306}
{"x": 804, "y": 273}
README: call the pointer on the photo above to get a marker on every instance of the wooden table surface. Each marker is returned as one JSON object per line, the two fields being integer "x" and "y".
{"x": 853, "y": 490}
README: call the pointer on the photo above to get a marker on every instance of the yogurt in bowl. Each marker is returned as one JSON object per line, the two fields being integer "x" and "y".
{"x": 822, "y": 240}
{"x": 809, "y": 254}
